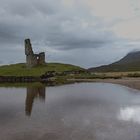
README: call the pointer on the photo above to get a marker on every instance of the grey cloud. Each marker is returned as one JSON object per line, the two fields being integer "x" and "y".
{"x": 33, "y": 18}
{"x": 78, "y": 44}
{"x": 8, "y": 35}
{"x": 53, "y": 26}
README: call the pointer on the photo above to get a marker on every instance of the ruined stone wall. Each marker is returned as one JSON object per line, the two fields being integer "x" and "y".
{"x": 41, "y": 58}
{"x": 31, "y": 58}
{"x": 28, "y": 47}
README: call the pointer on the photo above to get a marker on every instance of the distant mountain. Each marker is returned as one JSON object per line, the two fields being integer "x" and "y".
{"x": 131, "y": 62}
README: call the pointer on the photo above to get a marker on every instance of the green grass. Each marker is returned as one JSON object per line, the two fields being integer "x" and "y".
{"x": 96, "y": 76}
{"x": 133, "y": 75}
{"x": 22, "y": 70}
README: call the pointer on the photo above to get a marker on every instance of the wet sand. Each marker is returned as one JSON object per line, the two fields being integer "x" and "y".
{"x": 129, "y": 82}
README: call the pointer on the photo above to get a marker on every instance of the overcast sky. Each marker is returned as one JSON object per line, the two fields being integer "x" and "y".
{"x": 87, "y": 33}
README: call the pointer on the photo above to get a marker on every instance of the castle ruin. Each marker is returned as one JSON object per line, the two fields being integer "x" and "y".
{"x": 31, "y": 58}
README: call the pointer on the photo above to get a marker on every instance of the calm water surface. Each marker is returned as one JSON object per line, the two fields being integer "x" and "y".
{"x": 87, "y": 111}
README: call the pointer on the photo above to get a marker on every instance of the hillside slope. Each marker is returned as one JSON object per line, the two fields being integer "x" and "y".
{"x": 22, "y": 70}
{"x": 131, "y": 62}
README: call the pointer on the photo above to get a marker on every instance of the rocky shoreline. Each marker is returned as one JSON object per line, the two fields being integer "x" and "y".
{"x": 21, "y": 79}
{"x": 129, "y": 82}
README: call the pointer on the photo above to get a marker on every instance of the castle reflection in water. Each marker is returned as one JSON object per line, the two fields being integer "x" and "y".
{"x": 32, "y": 94}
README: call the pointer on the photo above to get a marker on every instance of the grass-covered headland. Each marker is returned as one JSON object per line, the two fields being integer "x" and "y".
{"x": 22, "y": 70}
{"x": 49, "y": 72}
{"x": 55, "y": 72}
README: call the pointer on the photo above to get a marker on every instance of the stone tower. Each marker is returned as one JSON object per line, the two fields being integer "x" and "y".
{"x": 31, "y": 58}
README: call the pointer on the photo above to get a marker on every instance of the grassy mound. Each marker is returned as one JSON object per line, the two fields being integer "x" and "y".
{"x": 22, "y": 70}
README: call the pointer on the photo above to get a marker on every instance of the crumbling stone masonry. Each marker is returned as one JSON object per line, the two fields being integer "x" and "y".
{"x": 31, "y": 58}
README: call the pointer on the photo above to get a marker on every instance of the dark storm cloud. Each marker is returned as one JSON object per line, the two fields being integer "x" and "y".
{"x": 27, "y": 8}
{"x": 78, "y": 44}
{"x": 50, "y": 22}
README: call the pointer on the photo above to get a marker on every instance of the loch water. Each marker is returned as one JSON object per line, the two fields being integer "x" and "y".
{"x": 83, "y": 111}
